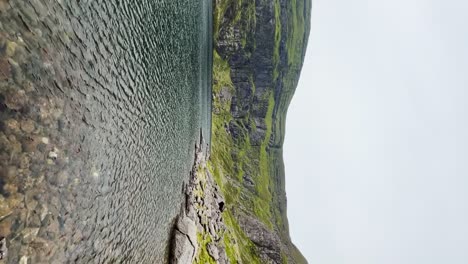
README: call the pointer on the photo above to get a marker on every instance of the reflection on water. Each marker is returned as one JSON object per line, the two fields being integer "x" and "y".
{"x": 100, "y": 105}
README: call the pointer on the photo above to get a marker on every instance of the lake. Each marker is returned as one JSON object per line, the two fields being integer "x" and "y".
{"x": 101, "y": 103}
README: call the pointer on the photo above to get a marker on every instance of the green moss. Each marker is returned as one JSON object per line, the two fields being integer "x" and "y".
{"x": 231, "y": 158}
{"x": 276, "y": 50}
{"x": 203, "y": 256}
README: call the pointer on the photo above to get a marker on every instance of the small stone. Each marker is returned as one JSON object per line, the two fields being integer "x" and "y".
{"x": 30, "y": 144}
{"x": 13, "y": 145}
{"x": 10, "y": 48}
{"x": 16, "y": 70}
{"x": 15, "y": 201}
{"x": 5, "y": 69}
{"x": 10, "y": 188}
{"x": 31, "y": 204}
{"x": 29, "y": 234}
{"x": 62, "y": 178}
{"x": 23, "y": 260}
{"x": 24, "y": 161}
{"x": 4, "y": 208}
{"x": 53, "y": 155}
{"x": 45, "y": 140}
{"x": 12, "y": 124}
{"x": 4, "y": 6}
{"x": 3, "y": 248}
{"x": 28, "y": 86}
{"x": 16, "y": 100}
{"x": 10, "y": 173}
{"x": 27, "y": 125}
{"x": 5, "y": 227}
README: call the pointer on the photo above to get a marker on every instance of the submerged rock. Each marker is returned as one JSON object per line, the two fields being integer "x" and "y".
{"x": 3, "y": 248}
{"x": 10, "y": 48}
{"x": 16, "y": 100}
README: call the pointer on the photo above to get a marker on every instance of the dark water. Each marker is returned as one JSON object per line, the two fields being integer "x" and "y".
{"x": 101, "y": 103}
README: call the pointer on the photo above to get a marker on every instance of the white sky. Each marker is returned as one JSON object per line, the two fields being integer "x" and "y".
{"x": 376, "y": 148}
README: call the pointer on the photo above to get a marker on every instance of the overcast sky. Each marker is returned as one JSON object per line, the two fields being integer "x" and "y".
{"x": 376, "y": 148}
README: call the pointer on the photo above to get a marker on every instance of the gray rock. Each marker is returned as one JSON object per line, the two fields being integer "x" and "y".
{"x": 213, "y": 251}
{"x": 184, "y": 244}
{"x": 183, "y": 250}
{"x": 3, "y": 248}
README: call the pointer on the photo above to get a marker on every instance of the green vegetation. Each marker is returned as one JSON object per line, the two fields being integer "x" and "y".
{"x": 232, "y": 159}
{"x": 203, "y": 255}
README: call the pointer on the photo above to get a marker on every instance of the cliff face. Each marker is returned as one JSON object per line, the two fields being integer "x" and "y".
{"x": 259, "y": 48}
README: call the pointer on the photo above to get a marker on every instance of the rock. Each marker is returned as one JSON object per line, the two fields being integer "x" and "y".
{"x": 23, "y": 260}
{"x": 62, "y": 178}
{"x": 213, "y": 251}
{"x": 18, "y": 76}
{"x": 28, "y": 86}
{"x": 12, "y": 125}
{"x": 10, "y": 173}
{"x": 45, "y": 140}
{"x": 30, "y": 144}
{"x": 183, "y": 250}
{"x": 29, "y": 234}
{"x": 4, "y": 6}
{"x": 184, "y": 243}
{"x": 13, "y": 145}
{"x": 10, "y": 189}
{"x": 5, "y": 227}
{"x": 53, "y": 154}
{"x": 15, "y": 201}
{"x": 10, "y": 48}
{"x": 5, "y": 69}
{"x": 27, "y": 125}
{"x": 16, "y": 100}
{"x": 188, "y": 227}
{"x": 3, "y": 248}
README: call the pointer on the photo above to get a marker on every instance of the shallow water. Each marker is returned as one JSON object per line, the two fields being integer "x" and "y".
{"x": 101, "y": 103}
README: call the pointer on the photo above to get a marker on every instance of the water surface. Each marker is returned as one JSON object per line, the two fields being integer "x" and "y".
{"x": 101, "y": 103}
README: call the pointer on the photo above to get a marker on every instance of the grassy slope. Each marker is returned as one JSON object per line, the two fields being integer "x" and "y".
{"x": 230, "y": 159}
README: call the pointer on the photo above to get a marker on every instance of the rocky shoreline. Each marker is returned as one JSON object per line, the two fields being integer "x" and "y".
{"x": 199, "y": 228}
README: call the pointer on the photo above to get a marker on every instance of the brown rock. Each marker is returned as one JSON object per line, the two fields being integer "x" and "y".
{"x": 12, "y": 125}
{"x": 27, "y": 125}
{"x": 5, "y": 227}
{"x": 10, "y": 173}
{"x": 29, "y": 234}
{"x": 10, "y": 188}
{"x": 4, "y": 208}
{"x": 4, "y": 5}
{"x": 5, "y": 69}
{"x": 16, "y": 99}
{"x": 10, "y": 48}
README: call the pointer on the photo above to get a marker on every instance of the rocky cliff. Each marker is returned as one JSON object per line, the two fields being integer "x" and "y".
{"x": 237, "y": 198}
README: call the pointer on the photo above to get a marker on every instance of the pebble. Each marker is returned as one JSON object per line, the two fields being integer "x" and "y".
{"x": 12, "y": 124}
{"x": 29, "y": 234}
{"x": 27, "y": 125}
{"x": 16, "y": 100}
{"x": 5, "y": 70}
{"x": 53, "y": 154}
{"x": 23, "y": 260}
{"x": 5, "y": 227}
{"x": 10, "y": 48}
{"x": 16, "y": 70}
{"x": 45, "y": 140}
{"x": 4, "y": 6}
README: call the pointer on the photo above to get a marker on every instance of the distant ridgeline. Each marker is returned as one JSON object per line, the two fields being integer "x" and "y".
{"x": 259, "y": 48}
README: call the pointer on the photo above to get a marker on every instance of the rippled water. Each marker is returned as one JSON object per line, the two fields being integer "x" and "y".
{"x": 101, "y": 103}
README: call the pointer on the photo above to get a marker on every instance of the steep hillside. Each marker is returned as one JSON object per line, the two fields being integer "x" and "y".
{"x": 259, "y": 49}
{"x": 236, "y": 200}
